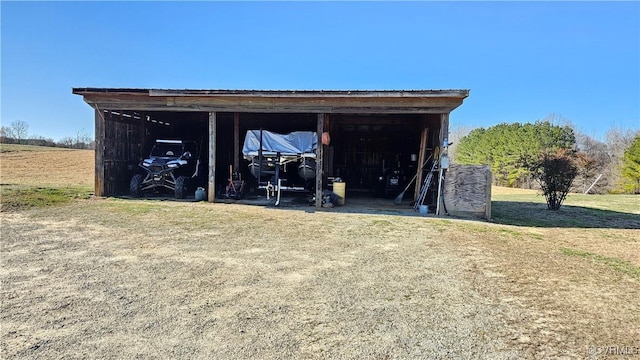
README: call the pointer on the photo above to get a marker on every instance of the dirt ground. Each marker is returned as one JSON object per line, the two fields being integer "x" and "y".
{"x": 123, "y": 279}
{"x": 116, "y": 278}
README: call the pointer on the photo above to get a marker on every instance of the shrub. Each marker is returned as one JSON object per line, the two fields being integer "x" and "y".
{"x": 555, "y": 173}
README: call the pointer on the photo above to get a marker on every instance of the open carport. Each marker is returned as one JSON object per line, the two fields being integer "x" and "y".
{"x": 378, "y": 139}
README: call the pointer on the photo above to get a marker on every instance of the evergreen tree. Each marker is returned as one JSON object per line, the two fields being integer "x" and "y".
{"x": 631, "y": 167}
{"x": 511, "y": 149}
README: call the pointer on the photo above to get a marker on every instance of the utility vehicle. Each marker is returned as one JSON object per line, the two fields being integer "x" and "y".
{"x": 170, "y": 166}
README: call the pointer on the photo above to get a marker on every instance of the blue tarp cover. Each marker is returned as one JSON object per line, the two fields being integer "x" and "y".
{"x": 294, "y": 143}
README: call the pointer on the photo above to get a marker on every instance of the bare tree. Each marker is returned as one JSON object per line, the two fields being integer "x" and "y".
{"x": 594, "y": 165}
{"x": 559, "y": 120}
{"x": 20, "y": 130}
{"x": 455, "y": 135}
{"x": 67, "y": 142}
{"x": 618, "y": 141}
{"x": 6, "y": 133}
{"x": 83, "y": 140}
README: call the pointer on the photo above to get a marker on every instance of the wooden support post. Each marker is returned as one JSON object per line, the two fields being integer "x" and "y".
{"x": 99, "y": 153}
{"x": 487, "y": 213}
{"x": 444, "y": 130}
{"x": 422, "y": 155}
{"x": 211, "y": 191}
{"x": 319, "y": 160}
{"x": 142, "y": 136}
{"x": 444, "y": 136}
{"x": 327, "y": 161}
{"x": 236, "y": 142}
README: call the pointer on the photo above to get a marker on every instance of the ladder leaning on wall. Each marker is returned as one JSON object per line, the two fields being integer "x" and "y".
{"x": 425, "y": 186}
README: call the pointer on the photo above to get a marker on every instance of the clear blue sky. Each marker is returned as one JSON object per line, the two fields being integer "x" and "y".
{"x": 521, "y": 60}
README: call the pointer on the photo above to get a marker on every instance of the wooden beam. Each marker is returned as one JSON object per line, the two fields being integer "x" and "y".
{"x": 443, "y": 136}
{"x": 144, "y": 105}
{"x": 287, "y": 104}
{"x": 326, "y": 161}
{"x": 319, "y": 160}
{"x": 211, "y": 191}
{"x": 236, "y": 141}
{"x": 143, "y": 134}
{"x": 444, "y": 128}
{"x": 422, "y": 155}
{"x": 372, "y": 119}
{"x": 99, "y": 153}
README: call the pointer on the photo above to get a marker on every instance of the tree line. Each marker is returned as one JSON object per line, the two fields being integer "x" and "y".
{"x": 18, "y": 133}
{"x": 514, "y": 152}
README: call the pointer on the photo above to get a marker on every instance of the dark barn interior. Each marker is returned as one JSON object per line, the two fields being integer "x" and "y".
{"x": 366, "y": 150}
{"x": 370, "y": 152}
{"x": 128, "y": 137}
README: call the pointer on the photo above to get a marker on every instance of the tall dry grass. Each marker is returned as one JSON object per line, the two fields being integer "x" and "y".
{"x": 45, "y": 166}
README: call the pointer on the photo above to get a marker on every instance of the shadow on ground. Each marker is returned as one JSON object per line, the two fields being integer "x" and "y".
{"x": 355, "y": 203}
{"x": 518, "y": 213}
{"x": 537, "y": 215}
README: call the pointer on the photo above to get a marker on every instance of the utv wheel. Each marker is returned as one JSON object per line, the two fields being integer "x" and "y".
{"x": 135, "y": 186}
{"x": 181, "y": 187}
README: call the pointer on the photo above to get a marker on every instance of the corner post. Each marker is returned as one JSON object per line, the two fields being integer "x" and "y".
{"x": 444, "y": 135}
{"x": 99, "y": 189}
{"x": 487, "y": 213}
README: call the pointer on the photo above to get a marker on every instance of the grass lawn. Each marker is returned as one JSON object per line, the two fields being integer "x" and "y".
{"x": 118, "y": 278}
{"x": 528, "y": 208}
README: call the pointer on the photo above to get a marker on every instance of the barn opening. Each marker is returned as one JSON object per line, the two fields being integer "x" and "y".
{"x": 128, "y": 136}
{"x": 376, "y": 155}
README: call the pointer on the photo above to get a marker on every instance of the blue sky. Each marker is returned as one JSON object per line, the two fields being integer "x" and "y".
{"x": 522, "y": 61}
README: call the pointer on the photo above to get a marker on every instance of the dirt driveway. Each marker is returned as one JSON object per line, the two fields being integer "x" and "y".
{"x": 142, "y": 279}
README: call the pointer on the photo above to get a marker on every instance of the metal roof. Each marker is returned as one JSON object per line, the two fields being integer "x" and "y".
{"x": 294, "y": 93}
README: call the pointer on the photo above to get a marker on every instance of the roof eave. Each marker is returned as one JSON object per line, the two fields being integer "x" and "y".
{"x": 332, "y": 101}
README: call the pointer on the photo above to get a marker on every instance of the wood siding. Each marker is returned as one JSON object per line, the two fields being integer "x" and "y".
{"x": 467, "y": 190}
{"x": 118, "y": 150}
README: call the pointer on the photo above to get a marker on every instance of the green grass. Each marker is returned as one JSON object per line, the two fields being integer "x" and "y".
{"x": 620, "y": 265}
{"x": 579, "y": 211}
{"x": 15, "y": 198}
{"x": 620, "y": 203}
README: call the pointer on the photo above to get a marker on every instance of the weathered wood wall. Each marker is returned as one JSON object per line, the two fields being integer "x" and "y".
{"x": 118, "y": 150}
{"x": 467, "y": 190}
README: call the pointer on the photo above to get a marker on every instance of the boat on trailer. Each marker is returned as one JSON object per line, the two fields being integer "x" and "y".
{"x": 270, "y": 154}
